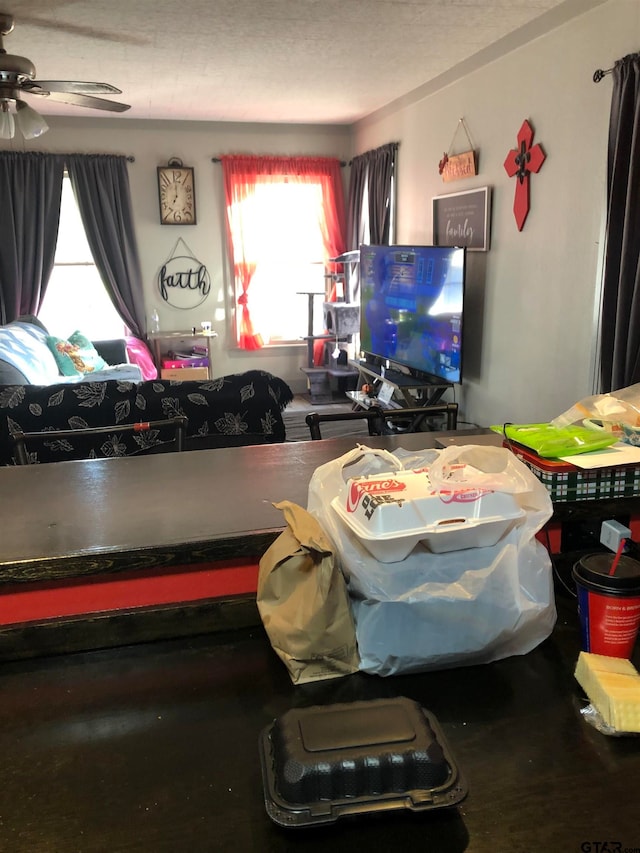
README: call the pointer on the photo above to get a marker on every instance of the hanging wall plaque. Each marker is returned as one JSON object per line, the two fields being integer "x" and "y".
{"x": 183, "y": 281}
{"x": 455, "y": 167}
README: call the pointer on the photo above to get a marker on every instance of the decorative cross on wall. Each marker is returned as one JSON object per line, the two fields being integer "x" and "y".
{"x": 521, "y": 162}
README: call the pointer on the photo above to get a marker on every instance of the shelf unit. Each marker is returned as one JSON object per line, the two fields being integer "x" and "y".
{"x": 349, "y": 261}
{"x": 408, "y": 391}
{"x": 331, "y": 380}
{"x": 157, "y": 338}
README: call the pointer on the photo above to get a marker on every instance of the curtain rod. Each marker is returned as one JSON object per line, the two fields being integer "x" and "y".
{"x": 218, "y": 160}
{"x": 129, "y": 157}
{"x": 599, "y": 74}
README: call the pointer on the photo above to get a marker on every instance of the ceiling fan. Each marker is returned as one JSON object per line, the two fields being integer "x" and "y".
{"x": 17, "y": 78}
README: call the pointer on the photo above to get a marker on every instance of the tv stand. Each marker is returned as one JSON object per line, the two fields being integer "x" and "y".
{"x": 425, "y": 393}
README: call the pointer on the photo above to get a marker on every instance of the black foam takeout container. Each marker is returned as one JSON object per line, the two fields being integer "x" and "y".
{"x": 326, "y": 761}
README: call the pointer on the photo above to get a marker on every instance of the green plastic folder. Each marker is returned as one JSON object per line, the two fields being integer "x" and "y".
{"x": 551, "y": 442}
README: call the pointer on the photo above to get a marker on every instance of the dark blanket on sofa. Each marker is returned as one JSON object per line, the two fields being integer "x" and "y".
{"x": 243, "y": 408}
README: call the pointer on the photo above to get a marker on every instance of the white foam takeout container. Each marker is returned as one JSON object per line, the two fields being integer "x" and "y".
{"x": 392, "y": 513}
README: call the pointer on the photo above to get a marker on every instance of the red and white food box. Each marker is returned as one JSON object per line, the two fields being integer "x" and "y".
{"x": 392, "y": 513}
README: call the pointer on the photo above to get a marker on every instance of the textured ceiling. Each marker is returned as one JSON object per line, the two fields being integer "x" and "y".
{"x": 316, "y": 61}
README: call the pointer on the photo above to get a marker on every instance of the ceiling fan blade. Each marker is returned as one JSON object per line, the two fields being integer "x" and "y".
{"x": 83, "y": 101}
{"x": 76, "y": 87}
{"x": 79, "y": 29}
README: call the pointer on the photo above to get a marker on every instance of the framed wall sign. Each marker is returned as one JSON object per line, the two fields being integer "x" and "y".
{"x": 463, "y": 219}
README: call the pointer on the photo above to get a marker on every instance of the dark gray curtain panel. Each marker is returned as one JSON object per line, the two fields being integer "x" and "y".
{"x": 371, "y": 179}
{"x": 355, "y": 200}
{"x": 372, "y": 173}
{"x": 30, "y": 193}
{"x": 101, "y": 186}
{"x": 381, "y": 172}
{"x": 620, "y": 323}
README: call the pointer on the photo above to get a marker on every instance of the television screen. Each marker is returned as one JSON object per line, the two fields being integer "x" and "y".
{"x": 411, "y": 307}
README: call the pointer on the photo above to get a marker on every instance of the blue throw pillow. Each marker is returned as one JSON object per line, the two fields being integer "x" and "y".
{"x": 75, "y": 356}
{"x": 87, "y": 352}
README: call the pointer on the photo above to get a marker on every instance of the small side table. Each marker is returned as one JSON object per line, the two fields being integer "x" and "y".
{"x": 156, "y": 337}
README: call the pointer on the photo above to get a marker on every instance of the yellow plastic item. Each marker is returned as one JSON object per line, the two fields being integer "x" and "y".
{"x": 613, "y": 688}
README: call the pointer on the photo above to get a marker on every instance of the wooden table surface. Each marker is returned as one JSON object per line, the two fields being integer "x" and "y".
{"x": 154, "y": 749}
{"x": 66, "y": 524}
{"x": 101, "y": 513}
{"x": 100, "y": 553}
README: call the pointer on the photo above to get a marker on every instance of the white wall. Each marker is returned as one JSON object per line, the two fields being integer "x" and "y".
{"x": 530, "y": 325}
{"x": 152, "y": 143}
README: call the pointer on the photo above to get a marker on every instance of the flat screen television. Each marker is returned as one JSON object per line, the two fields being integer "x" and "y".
{"x": 411, "y": 309}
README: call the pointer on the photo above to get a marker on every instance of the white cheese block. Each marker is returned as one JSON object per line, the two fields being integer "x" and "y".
{"x": 613, "y": 688}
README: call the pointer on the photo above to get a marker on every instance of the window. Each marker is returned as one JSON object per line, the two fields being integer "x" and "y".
{"x": 76, "y": 298}
{"x": 285, "y": 220}
{"x": 283, "y": 238}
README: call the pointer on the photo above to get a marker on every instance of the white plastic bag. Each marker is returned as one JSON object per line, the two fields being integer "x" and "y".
{"x": 616, "y": 407}
{"x": 432, "y": 611}
{"x": 480, "y": 466}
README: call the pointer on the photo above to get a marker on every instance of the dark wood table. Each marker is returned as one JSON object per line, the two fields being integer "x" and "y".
{"x": 100, "y": 515}
{"x": 98, "y": 552}
{"x": 102, "y": 552}
{"x": 154, "y": 747}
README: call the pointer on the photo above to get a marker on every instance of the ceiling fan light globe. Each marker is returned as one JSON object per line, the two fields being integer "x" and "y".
{"x": 30, "y": 122}
{"x": 7, "y": 122}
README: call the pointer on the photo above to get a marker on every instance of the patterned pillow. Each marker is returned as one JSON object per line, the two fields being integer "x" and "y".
{"x": 76, "y": 355}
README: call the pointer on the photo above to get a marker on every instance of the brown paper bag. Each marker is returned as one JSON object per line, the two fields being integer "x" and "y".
{"x": 303, "y": 601}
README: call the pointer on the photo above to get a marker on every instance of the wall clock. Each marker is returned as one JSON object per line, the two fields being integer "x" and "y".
{"x": 177, "y": 194}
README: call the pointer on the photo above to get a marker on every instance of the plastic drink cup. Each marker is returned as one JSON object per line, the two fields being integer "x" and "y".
{"x": 608, "y": 605}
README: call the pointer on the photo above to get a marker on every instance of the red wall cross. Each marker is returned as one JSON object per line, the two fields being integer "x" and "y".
{"x": 521, "y": 162}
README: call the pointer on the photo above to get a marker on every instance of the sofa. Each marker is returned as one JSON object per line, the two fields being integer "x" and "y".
{"x": 29, "y": 355}
{"x": 228, "y": 411}
{"x": 48, "y": 385}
